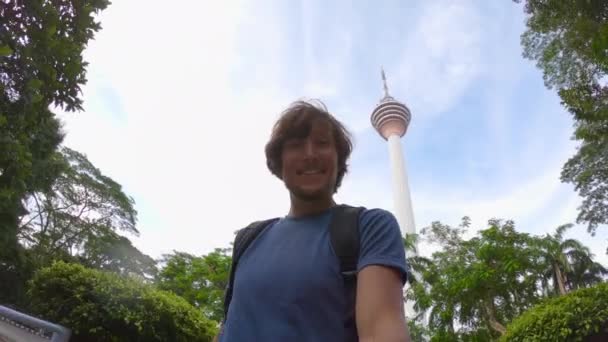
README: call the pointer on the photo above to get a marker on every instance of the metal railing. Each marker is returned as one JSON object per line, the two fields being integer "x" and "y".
{"x": 30, "y": 328}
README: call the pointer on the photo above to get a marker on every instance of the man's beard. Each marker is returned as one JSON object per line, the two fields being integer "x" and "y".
{"x": 307, "y": 196}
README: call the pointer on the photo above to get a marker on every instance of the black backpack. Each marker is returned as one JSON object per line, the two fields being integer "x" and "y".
{"x": 344, "y": 236}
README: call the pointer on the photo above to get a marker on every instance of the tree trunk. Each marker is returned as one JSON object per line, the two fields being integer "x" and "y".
{"x": 559, "y": 279}
{"x": 491, "y": 317}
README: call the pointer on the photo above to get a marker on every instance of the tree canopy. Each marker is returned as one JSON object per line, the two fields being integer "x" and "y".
{"x": 577, "y": 316}
{"x": 81, "y": 216}
{"x": 103, "y": 306}
{"x": 471, "y": 289}
{"x": 41, "y": 64}
{"x": 569, "y": 42}
{"x": 200, "y": 280}
{"x": 54, "y": 203}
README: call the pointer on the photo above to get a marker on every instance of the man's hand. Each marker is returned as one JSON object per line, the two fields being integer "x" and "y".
{"x": 379, "y": 308}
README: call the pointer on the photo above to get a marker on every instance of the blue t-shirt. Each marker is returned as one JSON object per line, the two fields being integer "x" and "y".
{"x": 288, "y": 285}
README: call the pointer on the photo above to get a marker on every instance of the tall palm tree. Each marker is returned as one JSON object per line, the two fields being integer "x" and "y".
{"x": 584, "y": 271}
{"x": 567, "y": 262}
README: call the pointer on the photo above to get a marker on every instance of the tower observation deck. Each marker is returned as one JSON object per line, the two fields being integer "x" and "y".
{"x": 390, "y": 116}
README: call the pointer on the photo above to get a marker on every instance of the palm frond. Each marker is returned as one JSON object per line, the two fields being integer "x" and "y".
{"x": 559, "y": 232}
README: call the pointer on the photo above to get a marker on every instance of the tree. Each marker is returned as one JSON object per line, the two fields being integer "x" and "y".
{"x": 41, "y": 64}
{"x": 568, "y": 40}
{"x": 102, "y": 306}
{"x": 568, "y": 263}
{"x": 79, "y": 219}
{"x": 116, "y": 253}
{"x": 418, "y": 332}
{"x": 554, "y": 251}
{"x": 580, "y": 315}
{"x": 473, "y": 288}
{"x": 200, "y": 280}
{"x": 585, "y": 272}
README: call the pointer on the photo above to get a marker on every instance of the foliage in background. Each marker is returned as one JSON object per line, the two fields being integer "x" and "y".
{"x": 482, "y": 282}
{"x": 41, "y": 64}
{"x": 103, "y": 306}
{"x": 577, "y": 316}
{"x": 471, "y": 289}
{"x": 200, "y": 280}
{"x": 569, "y": 42}
{"x": 80, "y": 218}
{"x": 568, "y": 264}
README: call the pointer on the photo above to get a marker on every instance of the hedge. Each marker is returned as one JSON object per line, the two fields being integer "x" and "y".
{"x": 581, "y": 315}
{"x": 103, "y": 306}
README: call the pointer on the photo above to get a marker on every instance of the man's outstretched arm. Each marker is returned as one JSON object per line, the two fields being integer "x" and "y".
{"x": 379, "y": 308}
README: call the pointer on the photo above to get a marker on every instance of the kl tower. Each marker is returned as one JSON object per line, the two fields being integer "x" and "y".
{"x": 391, "y": 119}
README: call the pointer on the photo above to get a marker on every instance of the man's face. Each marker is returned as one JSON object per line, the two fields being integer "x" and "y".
{"x": 310, "y": 164}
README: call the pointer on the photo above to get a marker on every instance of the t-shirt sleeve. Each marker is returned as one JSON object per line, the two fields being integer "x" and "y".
{"x": 381, "y": 242}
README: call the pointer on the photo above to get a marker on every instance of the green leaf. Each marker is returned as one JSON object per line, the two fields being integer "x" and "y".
{"x": 34, "y": 84}
{"x": 37, "y": 97}
{"x": 5, "y": 50}
{"x": 51, "y": 30}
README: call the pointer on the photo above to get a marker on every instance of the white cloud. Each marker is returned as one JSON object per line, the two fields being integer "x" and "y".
{"x": 442, "y": 56}
{"x": 519, "y": 202}
{"x": 326, "y": 49}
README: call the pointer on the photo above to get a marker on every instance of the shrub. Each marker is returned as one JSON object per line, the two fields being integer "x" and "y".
{"x": 102, "y": 306}
{"x": 581, "y": 315}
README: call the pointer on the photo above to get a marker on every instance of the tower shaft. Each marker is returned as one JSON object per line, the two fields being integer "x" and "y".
{"x": 401, "y": 192}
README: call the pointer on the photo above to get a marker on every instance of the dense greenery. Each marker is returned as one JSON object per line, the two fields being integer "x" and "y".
{"x": 200, "y": 280}
{"x": 577, "y": 316}
{"x": 470, "y": 289}
{"x": 79, "y": 218}
{"x": 41, "y": 45}
{"x": 568, "y": 39}
{"x": 103, "y": 306}
{"x": 54, "y": 203}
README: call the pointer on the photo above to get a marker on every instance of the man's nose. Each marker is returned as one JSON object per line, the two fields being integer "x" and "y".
{"x": 309, "y": 148}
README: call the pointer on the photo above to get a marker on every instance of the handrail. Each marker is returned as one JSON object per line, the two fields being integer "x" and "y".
{"x": 60, "y": 333}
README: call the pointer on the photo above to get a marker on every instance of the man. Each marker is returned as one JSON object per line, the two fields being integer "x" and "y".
{"x": 288, "y": 285}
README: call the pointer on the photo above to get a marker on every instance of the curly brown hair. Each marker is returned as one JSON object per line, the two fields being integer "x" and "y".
{"x": 296, "y": 122}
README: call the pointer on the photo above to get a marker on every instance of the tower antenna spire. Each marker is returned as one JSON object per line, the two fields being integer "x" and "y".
{"x": 384, "y": 81}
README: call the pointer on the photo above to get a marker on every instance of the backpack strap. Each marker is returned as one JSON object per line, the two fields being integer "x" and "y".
{"x": 243, "y": 239}
{"x": 344, "y": 237}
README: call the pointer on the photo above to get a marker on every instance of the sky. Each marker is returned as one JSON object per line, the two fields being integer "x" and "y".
{"x": 181, "y": 99}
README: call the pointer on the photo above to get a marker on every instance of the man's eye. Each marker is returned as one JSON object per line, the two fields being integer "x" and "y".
{"x": 292, "y": 144}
